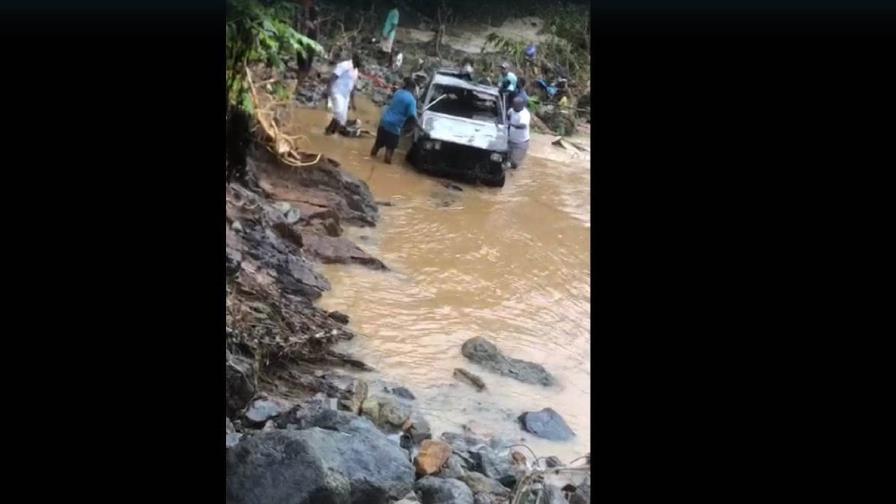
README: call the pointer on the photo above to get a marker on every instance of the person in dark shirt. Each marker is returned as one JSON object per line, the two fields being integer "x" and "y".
{"x": 402, "y": 109}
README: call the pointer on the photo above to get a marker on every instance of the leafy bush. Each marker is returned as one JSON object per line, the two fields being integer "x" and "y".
{"x": 260, "y": 34}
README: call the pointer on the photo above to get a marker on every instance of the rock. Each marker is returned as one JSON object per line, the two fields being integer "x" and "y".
{"x": 229, "y": 426}
{"x": 232, "y": 439}
{"x": 582, "y": 494}
{"x": 236, "y": 226}
{"x": 417, "y": 427}
{"x": 495, "y": 464}
{"x": 317, "y": 465}
{"x": 453, "y": 468}
{"x": 351, "y": 392}
{"x": 482, "y": 498}
{"x": 443, "y": 491}
{"x": 338, "y": 250}
{"x": 403, "y": 393}
{"x": 479, "y": 483}
{"x": 552, "y": 462}
{"x": 487, "y": 355}
{"x": 551, "y": 495}
{"x": 240, "y": 383}
{"x": 433, "y": 454}
{"x": 386, "y": 412}
{"x": 469, "y": 378}
{"x": 547, "y": 424}
{"x": 262, "y": 410}
{"x": 410, "y": 498}
{"x": 338, "y": 317}
{"x": 292, "y": 216}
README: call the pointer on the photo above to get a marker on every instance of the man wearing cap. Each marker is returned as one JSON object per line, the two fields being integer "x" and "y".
{"x": 518, "y": 133}
{"x": 508, "y": 83}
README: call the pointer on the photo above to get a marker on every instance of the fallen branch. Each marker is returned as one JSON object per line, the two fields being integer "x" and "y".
{"x": 283, "y": 145}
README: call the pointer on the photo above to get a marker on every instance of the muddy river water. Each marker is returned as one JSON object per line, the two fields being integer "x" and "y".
{"x": 509, "y": 264}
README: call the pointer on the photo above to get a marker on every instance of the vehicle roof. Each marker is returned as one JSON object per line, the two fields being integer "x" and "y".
{"x": 447, "y": 80}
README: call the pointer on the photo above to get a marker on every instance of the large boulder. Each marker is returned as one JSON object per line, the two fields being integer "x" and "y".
{"x": 547, "y": 424}
{"x": 240, "y": 383}
{"x": 443, "y": 491}
{"x": 353, "y": 466}
{"x": 486, "y": 354}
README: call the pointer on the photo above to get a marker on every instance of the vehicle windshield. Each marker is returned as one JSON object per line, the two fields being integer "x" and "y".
{"x": 465, "y": 103}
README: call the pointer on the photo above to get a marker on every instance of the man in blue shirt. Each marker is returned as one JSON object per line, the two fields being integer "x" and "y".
{"x": 402, "y": 109}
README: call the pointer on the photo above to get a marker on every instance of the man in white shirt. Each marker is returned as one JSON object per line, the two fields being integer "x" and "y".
{"x": 341, "y": 92}
{"x": 518, "y": 132}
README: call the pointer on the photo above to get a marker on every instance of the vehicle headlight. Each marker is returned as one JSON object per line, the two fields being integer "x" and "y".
{"x": 437, "y": 145}
{"x": 427, "y": 145}
{"x": 496, "y": 157}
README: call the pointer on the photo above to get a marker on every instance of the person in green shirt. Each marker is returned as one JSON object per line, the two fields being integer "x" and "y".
{"x": 389, "y": 30}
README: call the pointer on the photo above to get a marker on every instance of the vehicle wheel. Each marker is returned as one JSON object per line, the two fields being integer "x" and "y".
{"x": 413, "y": 154}
{"x": 492, "y": 179}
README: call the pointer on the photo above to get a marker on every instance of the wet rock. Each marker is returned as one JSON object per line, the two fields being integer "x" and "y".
{"x": 551, "y": 462}
{"x": 486, "y": 354}
{"x": 317, "y": 465}
{"x": 433, "y": 454}
{"x": 479, "y": 483}
{"x": 495, "y": 464}
{"x": 469, "y": 378}
{"x": 347, "y": 194}
{"x": 582, "y": 495}
{"x": 352, "y": 392}
{"x": 453, "y": 468}
{"x": 262, "y": 410}
{"x": 482, "y": 498}
{"x": 417, "y": 427}
{"x": 240, "y": 383}
{"x": 338, "y": 250}
{"x": 234, "y": 261}
{"x": 443, "y": 491}
{"x": 386, "y": 412}
{"x": 403, "y": 393}
{"x": 232, "y": 439}
{"x": 339, "y": 317}
{"x": 410, "y": 498}
{"x": 547, "y": 424}
{"x": 551, "y": 495}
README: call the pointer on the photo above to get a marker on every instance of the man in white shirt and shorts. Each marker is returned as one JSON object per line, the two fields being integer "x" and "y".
{"x": 341, "y": 92}
{"x": 518, "y": 132}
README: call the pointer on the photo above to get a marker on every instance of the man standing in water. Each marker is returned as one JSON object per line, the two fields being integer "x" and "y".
{"x": 518, "y": 134}
{"x": 341, "y": 92}
{"x": 402, "y": 109}
{"x": 389, "y": 31}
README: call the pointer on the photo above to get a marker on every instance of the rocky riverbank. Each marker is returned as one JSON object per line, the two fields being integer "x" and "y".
{"x": 299, "y": 428}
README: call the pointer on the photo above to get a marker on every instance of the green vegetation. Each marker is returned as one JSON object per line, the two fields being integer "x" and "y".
{"x": 260, "y": 34}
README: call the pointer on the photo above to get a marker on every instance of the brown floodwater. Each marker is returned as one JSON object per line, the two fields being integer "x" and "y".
{"x": 510, "y": 264}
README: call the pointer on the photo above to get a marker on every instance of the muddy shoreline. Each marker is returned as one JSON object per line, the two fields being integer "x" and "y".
{"x": 287, "y": 388}
{"x": 301, "y": 426}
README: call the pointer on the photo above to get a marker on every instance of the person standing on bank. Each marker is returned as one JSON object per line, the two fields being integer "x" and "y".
{"x": 341, "y": 92}
{"x": 508, "y": 84}
{"x": 389, "y": 30}
{"x": 402, "y": 109}
{"x": 518, "y": 134}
